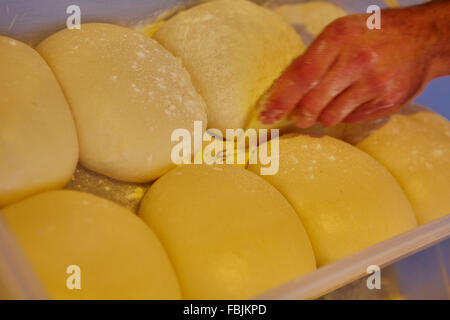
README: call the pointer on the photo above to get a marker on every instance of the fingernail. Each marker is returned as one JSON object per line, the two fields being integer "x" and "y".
{"x": 301, "y": 122}
{"x": 265, "y": 118}
{"x": 271, "y": 116}
{"x": 303, "y": 119}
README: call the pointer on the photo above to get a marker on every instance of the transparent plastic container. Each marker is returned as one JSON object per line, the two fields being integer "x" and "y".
{"x": 404, "y": 252}
{"x": 413, "y": 272}
{"x": 418, "y": 261}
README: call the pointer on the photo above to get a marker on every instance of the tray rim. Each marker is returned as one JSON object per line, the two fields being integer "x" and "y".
{"x": 344, "y": 271}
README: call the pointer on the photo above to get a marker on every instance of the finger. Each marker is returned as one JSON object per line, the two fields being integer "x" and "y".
{"x": 299, "y": 78}
{"x": 371, "y": 110}
{"x": 392, "y": 102}
{"x": 345, "y": 103}
{"x": 347, "y": 70}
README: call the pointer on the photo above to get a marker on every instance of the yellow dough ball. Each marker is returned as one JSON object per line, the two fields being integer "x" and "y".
{"x": 218, "y": 150}
{"x": 118, "y": 255}
{"x": 127, "y": 93}
{"x": 416, "y": 149}
{"x": 229, "y": 234}
{"x": 150, "y": 29}
{"x": 345, "y": 199}
{"x": 38, "y": 141}
{"x": 313, "y": 15}
{"x": 427, "y": 117}
{"x": 234, "y": 50}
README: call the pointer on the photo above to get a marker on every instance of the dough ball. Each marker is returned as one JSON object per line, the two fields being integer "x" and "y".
{"x": 229, "y": 234}
{"x": 118, "y": 255}
{"x": 313, "y": 15}
{"x": 345, "y": 199}
{"x": 234, "y": 50}
{"x": 150, "y": 29}
{"x": 427, "y": 117}
{"x": 127, "y": 95}
{"x": 218, "y": 150}
{"x": 38, "y": 141}
{"x": 416, "y": 150}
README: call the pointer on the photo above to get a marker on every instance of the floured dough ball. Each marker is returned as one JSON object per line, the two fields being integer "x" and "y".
{"x": 150, "y": 29}
{"x": 118, "y": 256}
{"x": 313, "y": 15}
{"x": 427, "y": 117}
{"x": 229, "y": 234}
{"x": 345, "y": 199}
{"x": 127, "y": 93}
{"x": 415, "y": 147}
{"x": 38, "y": 141}
{"x": 218, "y": 150}
{"x": 234, "y": 50}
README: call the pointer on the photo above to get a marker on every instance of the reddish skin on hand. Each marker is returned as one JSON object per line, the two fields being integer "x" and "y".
{"x": 351, "y": 73}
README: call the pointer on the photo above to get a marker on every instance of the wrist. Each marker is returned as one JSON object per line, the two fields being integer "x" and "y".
{"x": 438, "y": 20}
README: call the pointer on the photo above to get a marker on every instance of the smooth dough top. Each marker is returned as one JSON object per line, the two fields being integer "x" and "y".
{"x": 38, "y": 141}
{"x": 234, "y": 50}
{"x": 346, "y": 200}
{"x": 314, "y": 15}
{"x": 118, "y": 255}
{"x": 415, "y": 147}
{"x": 229, "y": 234}
{"x": 127, "y": 94}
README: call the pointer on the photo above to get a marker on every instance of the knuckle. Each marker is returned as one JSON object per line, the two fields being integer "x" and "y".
{"x": 366, "y": 57}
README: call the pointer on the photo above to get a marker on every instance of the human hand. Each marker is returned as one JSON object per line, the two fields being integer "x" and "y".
{"x": 351, "y": 73}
